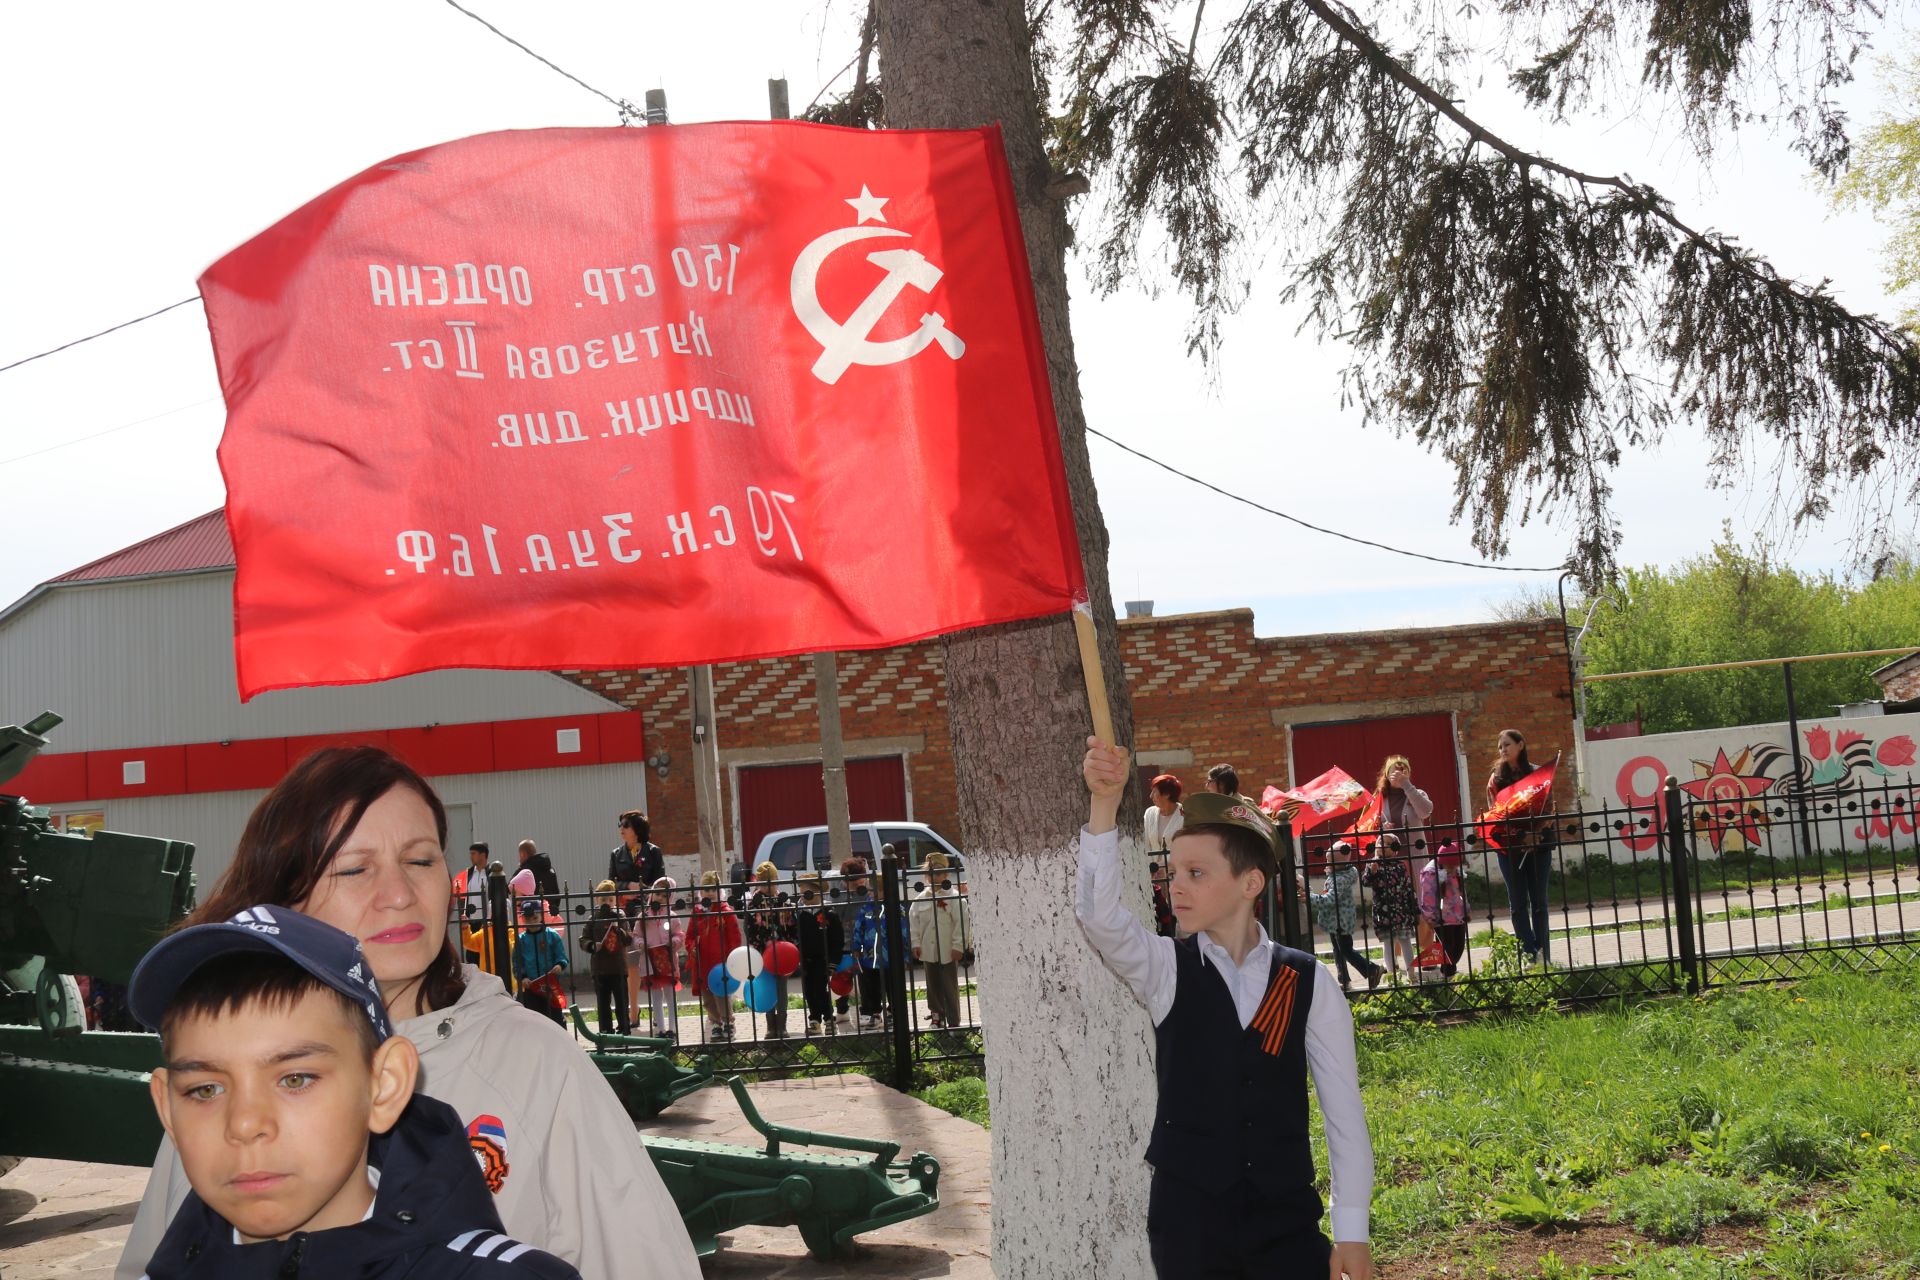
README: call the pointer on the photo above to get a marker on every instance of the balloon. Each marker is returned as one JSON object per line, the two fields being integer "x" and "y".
{"x": 840, "y": 983}
{"x": 783, "y": 958}
{"x": 763, "y": 993}
{"x": 744, "y": 964}
{"x": 719, "y": 982}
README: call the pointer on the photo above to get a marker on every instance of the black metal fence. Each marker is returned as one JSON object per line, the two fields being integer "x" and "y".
{"x": 1681, "y": 893}
{"x": 1674, "y": 895}
{"x": 867, "y": 991}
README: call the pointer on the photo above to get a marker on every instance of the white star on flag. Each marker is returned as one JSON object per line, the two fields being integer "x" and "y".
{"x": 867, "y": 205}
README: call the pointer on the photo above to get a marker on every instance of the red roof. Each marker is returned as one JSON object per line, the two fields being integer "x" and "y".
{"x": 201, "y": 543}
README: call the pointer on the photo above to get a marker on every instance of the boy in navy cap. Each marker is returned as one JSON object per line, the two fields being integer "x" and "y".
{"x": 1239, "y": 1022}
{"x": 291, "y": 1103}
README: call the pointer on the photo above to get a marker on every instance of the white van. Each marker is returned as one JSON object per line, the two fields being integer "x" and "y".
{"x": 799, "y": 848}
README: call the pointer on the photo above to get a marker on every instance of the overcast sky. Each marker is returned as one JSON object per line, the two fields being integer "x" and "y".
{"x": 147, "y": 140}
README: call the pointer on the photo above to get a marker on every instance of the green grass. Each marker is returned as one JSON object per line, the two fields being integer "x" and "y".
{"x": 1745, "y": 1134}
{"x": 1768, "y": 1132}
{"x": 965, "y": 1097}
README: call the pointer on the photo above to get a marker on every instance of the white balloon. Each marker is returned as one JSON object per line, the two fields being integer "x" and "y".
{"x": 744, "y": 964}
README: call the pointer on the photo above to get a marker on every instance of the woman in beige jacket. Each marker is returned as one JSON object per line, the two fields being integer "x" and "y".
{"x": 352, "y": 836}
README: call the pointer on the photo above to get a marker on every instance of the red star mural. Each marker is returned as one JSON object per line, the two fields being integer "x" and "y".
{"x": 1725, "y": 788}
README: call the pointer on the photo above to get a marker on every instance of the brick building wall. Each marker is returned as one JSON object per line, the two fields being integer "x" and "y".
{"x": 892, "y": 702}
{"x": 1205, "y": 689}
{"x": 1899, "y": 680}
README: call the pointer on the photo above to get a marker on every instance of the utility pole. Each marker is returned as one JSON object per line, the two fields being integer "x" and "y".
{"x": 706, "y": 738}
{"x": 706, "y": 770}
{"x": 826, "y": 671}
{"x": 826, "y": 668}
{"x": 833, "y": 758}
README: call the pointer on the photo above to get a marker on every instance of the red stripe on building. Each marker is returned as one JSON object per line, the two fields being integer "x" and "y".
{"x": 251, "y": 764}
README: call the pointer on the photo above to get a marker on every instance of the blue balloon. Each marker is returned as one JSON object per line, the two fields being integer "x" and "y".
{"x": 846, "y": 963}
{"x": 720, "y": 982}
{"x": 762, "y": 993}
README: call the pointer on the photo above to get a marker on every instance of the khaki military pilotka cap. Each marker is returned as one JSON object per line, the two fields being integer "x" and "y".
{"x": 1209, "y": 809}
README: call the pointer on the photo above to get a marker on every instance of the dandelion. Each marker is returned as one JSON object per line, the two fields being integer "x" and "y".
{"x": 1865, "y": 1133}
{"x": 1886, "y": 1146}
{"x": 1799, "y": 999}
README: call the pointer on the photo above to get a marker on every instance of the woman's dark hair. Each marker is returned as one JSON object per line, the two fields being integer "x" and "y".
{"x": 1521, "y": 767}
{"x": 1225, "y": 775}
{"x": 636, "y": 822}
{"x": 294, "y": 833}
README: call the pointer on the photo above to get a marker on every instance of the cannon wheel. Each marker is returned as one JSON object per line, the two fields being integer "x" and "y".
{"x": 818, "y": 1232}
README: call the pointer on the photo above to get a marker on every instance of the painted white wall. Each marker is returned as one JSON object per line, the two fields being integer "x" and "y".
{"x": 1841, "y": 754}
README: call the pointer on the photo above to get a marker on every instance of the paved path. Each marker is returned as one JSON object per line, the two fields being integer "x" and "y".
{"x": 1611, "y": 934}
{"x": 67, "y": 1221}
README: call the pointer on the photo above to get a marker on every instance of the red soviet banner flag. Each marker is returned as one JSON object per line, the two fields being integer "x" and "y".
{"x": 587, "y": 398}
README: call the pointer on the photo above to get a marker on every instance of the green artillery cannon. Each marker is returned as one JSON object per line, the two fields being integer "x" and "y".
{"x": 73, "y": 905}
{"x": 645, "y": 1078}
{"x": 831, "y": 1198}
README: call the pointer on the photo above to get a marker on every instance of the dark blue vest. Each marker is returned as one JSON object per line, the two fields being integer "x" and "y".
{"x": 1233, "y": 1100}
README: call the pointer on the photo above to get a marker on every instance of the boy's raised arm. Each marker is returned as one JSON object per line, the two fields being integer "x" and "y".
{"x": 1139, "y": 957}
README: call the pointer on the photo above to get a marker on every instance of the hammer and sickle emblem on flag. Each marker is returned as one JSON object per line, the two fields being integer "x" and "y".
{"x": 844, "y": 344}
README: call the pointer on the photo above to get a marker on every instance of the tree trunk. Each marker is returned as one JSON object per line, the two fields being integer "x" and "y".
{"x": 1068, "y": 1050}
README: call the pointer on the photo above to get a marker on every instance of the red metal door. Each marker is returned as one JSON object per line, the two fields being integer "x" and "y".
{"x": 1361, "y": 746}
{"x": 774, "y": 797}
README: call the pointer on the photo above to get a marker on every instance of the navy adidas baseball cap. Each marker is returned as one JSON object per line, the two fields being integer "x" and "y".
{"x": 325, "y": 952}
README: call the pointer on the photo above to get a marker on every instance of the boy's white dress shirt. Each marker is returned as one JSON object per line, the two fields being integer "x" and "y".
{"x": 1145, "y": 962}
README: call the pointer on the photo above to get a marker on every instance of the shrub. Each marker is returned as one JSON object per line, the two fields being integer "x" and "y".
{"x": 1676, "y": 1204}
{"x": 1543, "y": 1201}
{"x": 1791, "y": 1144}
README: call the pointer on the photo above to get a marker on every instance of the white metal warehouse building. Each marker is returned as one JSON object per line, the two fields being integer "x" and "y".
{"x": 136, "y": 651}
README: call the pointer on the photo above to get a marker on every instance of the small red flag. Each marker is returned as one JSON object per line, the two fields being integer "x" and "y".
{"x": 589, "y": 398}
{"x": 1529, "y": 797}
{"x": 1331, "y": 795}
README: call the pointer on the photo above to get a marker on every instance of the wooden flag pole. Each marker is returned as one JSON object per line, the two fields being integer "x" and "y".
{"x": 1090, "y": 668}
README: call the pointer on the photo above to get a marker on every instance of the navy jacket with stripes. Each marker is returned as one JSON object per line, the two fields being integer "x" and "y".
{"x": 433, "y": 1219}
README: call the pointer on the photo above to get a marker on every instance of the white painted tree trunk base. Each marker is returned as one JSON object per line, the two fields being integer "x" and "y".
{"x": 1069, "y": 1061}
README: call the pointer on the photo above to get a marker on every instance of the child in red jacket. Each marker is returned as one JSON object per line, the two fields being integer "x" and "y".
{"x": 712, "y": 936}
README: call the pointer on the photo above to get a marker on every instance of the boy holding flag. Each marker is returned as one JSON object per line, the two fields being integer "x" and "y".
{"x": 1240, "y": 1023}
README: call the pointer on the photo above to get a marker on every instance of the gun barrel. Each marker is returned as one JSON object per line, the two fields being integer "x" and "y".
{"x": 20, "y": 743}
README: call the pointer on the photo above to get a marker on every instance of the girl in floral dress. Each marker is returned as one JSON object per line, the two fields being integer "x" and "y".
{"x": 1396, "y": 914}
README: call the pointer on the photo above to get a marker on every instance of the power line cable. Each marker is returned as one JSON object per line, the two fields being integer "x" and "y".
{"x": 22, "y": 457}
{"x": 103, "y": 333}
{"x": 628, "y": 112}
{"x": 1333, "y": 533}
